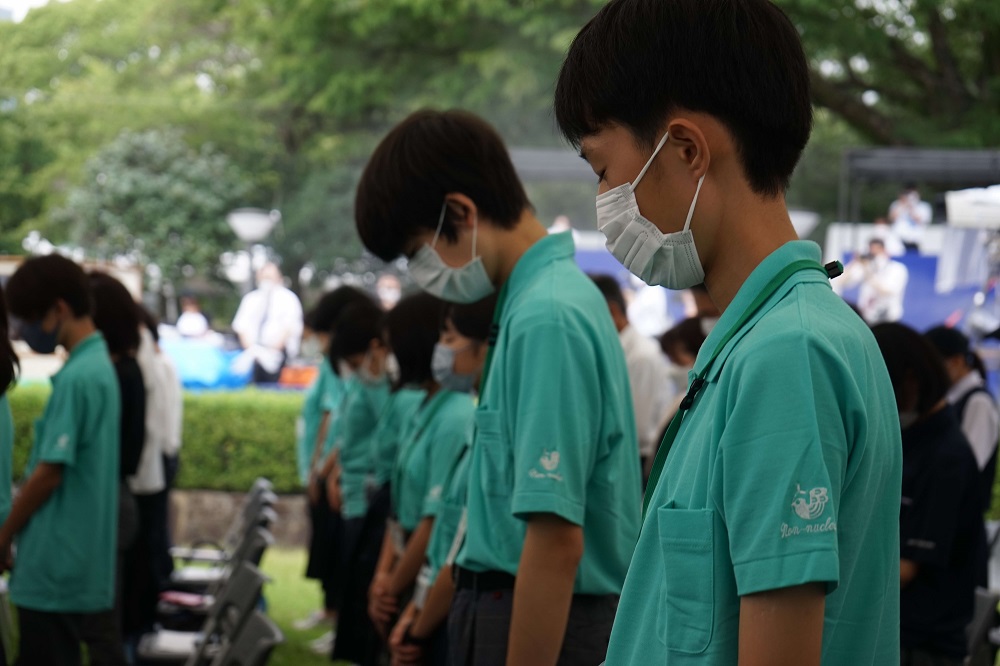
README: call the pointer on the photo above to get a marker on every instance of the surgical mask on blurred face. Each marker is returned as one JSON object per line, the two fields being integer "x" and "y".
{"x": 669, "y": 260}
{"x": 345, "y": 370}
{"x": 467, "y": 284}
{"x": 365, "y": 373}
{"x": 40, "y": 341}
{"x": 311, "y": 347}
{"x": 392, "y": 367}
{"x": 443, "y": 369}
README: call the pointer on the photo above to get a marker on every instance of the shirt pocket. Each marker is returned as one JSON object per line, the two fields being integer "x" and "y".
{"x": 687, "y": 613}
{"x": 496, "y": 473}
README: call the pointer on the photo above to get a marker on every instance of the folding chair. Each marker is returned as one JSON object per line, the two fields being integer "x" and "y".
{"x": 225, "y": 619}
{"x": 179, "y": 609}
{"x": 259, "y": 496}
{"x": 252, "y": 645}
{"x": 250, "y": 548}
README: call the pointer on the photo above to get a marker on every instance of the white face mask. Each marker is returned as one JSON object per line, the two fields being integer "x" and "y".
{"x": 668, "y": 260}
{"x": 467, "y": 284}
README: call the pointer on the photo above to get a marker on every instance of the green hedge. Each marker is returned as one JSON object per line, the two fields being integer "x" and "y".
{"x": 230, "y": 438}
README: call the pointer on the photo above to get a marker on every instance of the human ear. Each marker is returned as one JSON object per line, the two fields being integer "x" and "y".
{"x": 689, "y": 143}
{"x": 462, "y": 210}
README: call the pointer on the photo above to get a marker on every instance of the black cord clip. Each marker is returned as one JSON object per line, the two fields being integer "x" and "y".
{"x": 688, "y": 400}
{"x": 834, "y": 269}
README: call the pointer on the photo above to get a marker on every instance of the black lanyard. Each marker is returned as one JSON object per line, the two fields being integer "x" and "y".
{"x": 831, "y": 270}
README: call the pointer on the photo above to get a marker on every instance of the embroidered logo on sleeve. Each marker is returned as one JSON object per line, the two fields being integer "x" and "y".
{"x": 809, "y": 505}
{"x": 62, "y": 442}
{"x": 550, "y": 463}
{"x": 811, "y": 508}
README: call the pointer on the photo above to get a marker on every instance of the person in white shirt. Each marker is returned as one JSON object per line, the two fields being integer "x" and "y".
{"x": 883, "y": 284}
{"x": 883, "y": 231}
{"x": 648, "y": 371}
{"x": 269, "y": 325}
{"x": 974, "y": 405}
{"x": 910, "y": 216}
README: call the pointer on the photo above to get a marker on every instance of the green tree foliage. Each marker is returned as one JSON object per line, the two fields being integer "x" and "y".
{"x": 906, "y": 72}
{"x": 297, "y": 92}
{"x": 149, "y": 196}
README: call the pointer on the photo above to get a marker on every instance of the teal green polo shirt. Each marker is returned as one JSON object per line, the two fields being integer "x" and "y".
{"x": 322, "y": 397}
{"x": 449, "y": 514}
{"x": 6, "y": 456}
{"x": 436, "y": 434}
{"x": 555, "y": 431}
{"x": 786, "y": 471}
{"x": 362, "y": 406}
{"x": 66, "y": 554}
{"x": 395, "y": 421}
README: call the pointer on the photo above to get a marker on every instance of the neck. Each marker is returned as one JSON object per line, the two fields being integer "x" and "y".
{"x": 75, "y": 331}
{"x": 753, "y": 229}
{"x": 432, "y": 387}
{"x": 511, "y": 244}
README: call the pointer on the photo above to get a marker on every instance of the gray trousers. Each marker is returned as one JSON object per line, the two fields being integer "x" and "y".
{"x": 479, "y": 625}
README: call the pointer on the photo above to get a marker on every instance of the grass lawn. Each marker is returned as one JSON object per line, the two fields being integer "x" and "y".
{"x": 290, "y": 597}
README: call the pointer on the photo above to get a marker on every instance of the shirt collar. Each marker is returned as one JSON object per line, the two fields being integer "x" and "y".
{"x": 773, "y": 264}
{"x": 93, "y": 343}
{"x": 545, "y": 251}
{"x": 964, "y": 385}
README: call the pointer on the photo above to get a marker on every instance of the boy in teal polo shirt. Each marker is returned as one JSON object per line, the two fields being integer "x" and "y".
{"x": 554, "y": 481}
{"x": 770, "y": 533}
{"x": 65, "y": 515}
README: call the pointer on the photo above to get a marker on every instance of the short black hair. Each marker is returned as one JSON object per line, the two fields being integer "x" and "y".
{"x": 689, "y": 334}
{"x": 740, "y": 61}
{"x": 331, "y": 304}
{"x": 116, "y": 314}
{"x": 425, "y": 157}
{"x": 39, "y": 282}
{"x": 411, "y": 329}
{"x": 354, "y": 330}
{"x": 877, "y": 241}
{"x": 951, "y": 343}
{"x": 911, "y": 358}
{"x": 8, "y": 359}
{"x": 611, "y": 290}
{"x": 473, "y": 320}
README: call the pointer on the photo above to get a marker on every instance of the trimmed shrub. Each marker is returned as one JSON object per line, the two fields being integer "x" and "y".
{"x": 230, "y": 438}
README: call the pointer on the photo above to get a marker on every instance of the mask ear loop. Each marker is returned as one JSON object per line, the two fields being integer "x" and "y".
{"x": 687, "y": 222}
{"x": 437, "y": 232}
{"x": 649, "y": 162}
{"x": 475, "y": 231}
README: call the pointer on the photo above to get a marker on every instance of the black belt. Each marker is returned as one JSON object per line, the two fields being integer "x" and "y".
{"x": 483, "y": 581}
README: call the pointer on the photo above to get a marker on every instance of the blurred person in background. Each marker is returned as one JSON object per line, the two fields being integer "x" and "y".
{"x": 269, "y": 325}
{"x": 883, "y": 231}
{"x": 420, "y": 635}
{"x": 116, "y": 317}
{"x": 157, "y": 468}
{"x": 65, "y": 515}
{"x": 941, "y": 533}
{"x": 649, "y": 373}
{"x": 8, "y": 374}
{"x": 974, "y": 406}
{"x": 361, "y": 355}
{"x": 192, "y": 323}
{"x": 318, "y": 428}
{"x": 910, "y": 216}
{"x": 883, "y": 284}
{"x": 429, "y": 444}
{"x": 389, "y": 290}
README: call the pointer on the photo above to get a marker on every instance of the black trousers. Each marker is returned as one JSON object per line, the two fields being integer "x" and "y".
{"x": 52, "y": 639}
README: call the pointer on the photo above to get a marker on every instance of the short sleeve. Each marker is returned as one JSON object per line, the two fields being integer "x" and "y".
{"x": 929, "y": 520}
{"x": 60, "y": 433}
{"x": 781, "y": 465}
{"x": 449, "y": 441}
{"x": 555, "y": 396}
